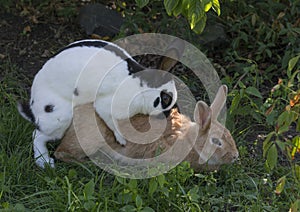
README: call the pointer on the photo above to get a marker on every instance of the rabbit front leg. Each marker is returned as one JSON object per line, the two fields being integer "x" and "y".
{"x": 113, "y": 126}
{"x": 119, "y": 138}
{"x": 109, "y": 121}
{"x": 41, "y": 153}
{"x": 52, "y": 123}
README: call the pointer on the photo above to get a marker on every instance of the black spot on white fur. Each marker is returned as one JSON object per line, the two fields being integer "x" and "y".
{"x": 49, "y": 108}
{"x": 156, "y": 102}
{"x": 76, "y": 92}
{"x": 26, "y": 112}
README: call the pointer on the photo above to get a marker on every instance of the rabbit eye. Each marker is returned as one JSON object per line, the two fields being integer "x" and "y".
{"x": 166, "y": 99}
{"x": 216, "y": 141}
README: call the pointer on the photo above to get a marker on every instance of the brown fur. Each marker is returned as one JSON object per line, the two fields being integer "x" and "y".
{"x": 179, "y": 130}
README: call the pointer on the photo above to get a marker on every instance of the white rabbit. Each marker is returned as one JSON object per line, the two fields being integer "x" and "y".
{"x": 213, "y": 147}
{"x": 93, "y": 71}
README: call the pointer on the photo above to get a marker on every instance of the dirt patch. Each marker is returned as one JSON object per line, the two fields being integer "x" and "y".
{"x": 29, "y": 45}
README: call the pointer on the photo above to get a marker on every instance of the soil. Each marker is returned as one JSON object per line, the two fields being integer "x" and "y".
{"x": 29, "y": 45}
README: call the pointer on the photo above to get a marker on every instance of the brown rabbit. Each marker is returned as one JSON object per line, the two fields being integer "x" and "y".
{"x": 212, "y": 147}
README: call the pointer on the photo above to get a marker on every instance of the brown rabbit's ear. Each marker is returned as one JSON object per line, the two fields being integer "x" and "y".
{"x": 202, "y": 115}
{"x": 219, "y": 101}
{"x": 173, "y": 53}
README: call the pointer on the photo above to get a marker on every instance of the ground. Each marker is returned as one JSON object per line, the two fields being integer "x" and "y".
{"x": 29, "y": 45}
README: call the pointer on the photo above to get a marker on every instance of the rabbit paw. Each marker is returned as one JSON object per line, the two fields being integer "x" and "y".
{"x": 43, "y": 162}
{"x": 120, "y": 139}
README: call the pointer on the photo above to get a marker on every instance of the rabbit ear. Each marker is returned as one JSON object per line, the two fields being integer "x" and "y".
{"x": 173, "y": 53}
{"x": 219, "y": 101}
{"x": 202, "y": 115}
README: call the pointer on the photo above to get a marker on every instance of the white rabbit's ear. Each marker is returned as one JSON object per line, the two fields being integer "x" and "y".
{"x": 219, "y": 101}
{"x": 202, "y": 115}
{"x": 173, "y": 53}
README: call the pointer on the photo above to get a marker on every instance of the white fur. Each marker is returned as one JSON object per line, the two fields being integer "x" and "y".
{"x": 100, "y": 76}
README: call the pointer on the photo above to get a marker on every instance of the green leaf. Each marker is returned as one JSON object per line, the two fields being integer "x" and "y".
{"x": 19, "y": 207}
{"x": 216, "y": 7}
{"x": 128, "y": 208}
{"x": 272, "y": 156}
{"x": 195, "y": 13}
{"x": 121, "y": 180}
{"x": 170, "y": 5}
{"x": 141, "y": 3}
{"x": 89, "y": 205}
{"x": 267, "y": 143}
{"x": 193, "y": 194}
{"x": 281, "y": 144}
{"x": 235, "y": 103}
{"x": 296, "y": 145}
{"x": 89, "y": 189}
{"x": 138, "y": 201}
{"x": 147, "y": 209}
{"x": 284, "y": 121}
{"x": 161, "y": 180}
{"x": 297, "y": 171}
{"x": 185, "y": 5}
{"x": 253, "y": 91}
{"x": 178, "y": 9}
{"x": 152, "y": 186}
{"x": 295, "y": 206}
{"x": 242, "y": 85}
{"x": 132, "y": 184}
{"x": 200, "y": 25}
{"x": 283, "y": 117}
{"x": 280, "y": 185}
{"x": 283, "y": 128}
{"x": 293, "y": 62}
{"x": 207, "y": 6}
{"x": 292, "y": 78}
{"x": 72, "y": 174}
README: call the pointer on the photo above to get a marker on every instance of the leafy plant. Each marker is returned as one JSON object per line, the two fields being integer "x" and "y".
{"x": 193, "y": 10}
{"x": 290, "y": 116}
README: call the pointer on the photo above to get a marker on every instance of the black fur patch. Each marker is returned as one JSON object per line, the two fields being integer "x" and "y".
{"x": 167, "y": 113}
{"x": 153, "y": 78}
{"x": 133, "y": 66}
{"x": 99, "y": 44}
{"x": 156, "y": 102}
{"x": 76, "y": 92}
{"x": 49, "y": 108}
{"x": 26, "y": 110}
